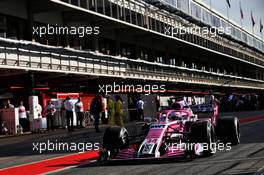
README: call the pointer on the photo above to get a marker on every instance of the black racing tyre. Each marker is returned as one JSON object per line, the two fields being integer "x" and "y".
{"x": 188, "y": 125}
{"x": 145, "y": 128}
{"x": 115, "y": 138}
{"x": 203, "y": 132}
{"x": 227, "y": 129}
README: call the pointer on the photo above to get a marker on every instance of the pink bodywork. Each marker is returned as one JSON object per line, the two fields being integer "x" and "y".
{"x": 156, "y": 133}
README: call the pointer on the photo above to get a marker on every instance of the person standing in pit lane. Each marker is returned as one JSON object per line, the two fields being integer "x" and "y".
{"x": 23, "y": 121}
{"x": 111, "y": 110}
{"x": 9, "y": 105}
{"x": 63, "y": 114}
{"x": 39, "y": 110}
{"x": 140, "y": 109}
{"x": 104, "y": 118}
{"x": 79, "y": 112}
{"x": 119, "y": 113}
{"x": 95, "y": 109}
{"x": 69, "y": 107}
{"x": 50, "y": 111}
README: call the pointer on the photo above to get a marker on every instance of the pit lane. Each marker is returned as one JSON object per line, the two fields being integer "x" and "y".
{"x": 245, "y": 158}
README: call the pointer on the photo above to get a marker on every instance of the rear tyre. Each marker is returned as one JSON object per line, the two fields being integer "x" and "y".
{"x": 115, "y": 138}
{"x": 228, "y": 129}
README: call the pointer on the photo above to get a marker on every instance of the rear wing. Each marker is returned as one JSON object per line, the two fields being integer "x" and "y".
{"x": 206, "y": 111}
{"x": 203, "y": 108}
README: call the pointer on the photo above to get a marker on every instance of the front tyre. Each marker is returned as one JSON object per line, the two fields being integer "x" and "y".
{"x": 115, "y": 138}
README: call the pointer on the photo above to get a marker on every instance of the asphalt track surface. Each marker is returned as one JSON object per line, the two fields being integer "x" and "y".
{"x": 245, "y": 158}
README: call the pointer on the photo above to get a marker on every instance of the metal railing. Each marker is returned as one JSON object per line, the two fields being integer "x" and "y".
{"x": 146, "y": 16}
{"x": 32, "y": 56}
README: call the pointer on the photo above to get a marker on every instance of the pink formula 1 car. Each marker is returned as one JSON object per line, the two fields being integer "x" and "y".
{"x": 177, "y": 132}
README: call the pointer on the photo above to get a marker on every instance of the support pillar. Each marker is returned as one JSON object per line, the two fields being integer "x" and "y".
{"x": 30, "y": 21}
{"x": 137, "y": 48}
{"x": 117, "y": 43}
{"x": 95, "y": 43}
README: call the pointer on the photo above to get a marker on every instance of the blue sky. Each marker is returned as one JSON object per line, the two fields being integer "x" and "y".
{"x": 257, "y": 6}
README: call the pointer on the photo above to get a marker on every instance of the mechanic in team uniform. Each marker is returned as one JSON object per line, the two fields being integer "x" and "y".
{"x": 111, "y": 110}
{"x": 119, "y": 113}
{"x": 79, "y": 112}
{"x": 50, "y": 111}
{"x": 69, "y": 107}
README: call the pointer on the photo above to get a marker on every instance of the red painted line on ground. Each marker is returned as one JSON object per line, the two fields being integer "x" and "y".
{"x": 251, "y": 119}
{"x": 50, "y": 165}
